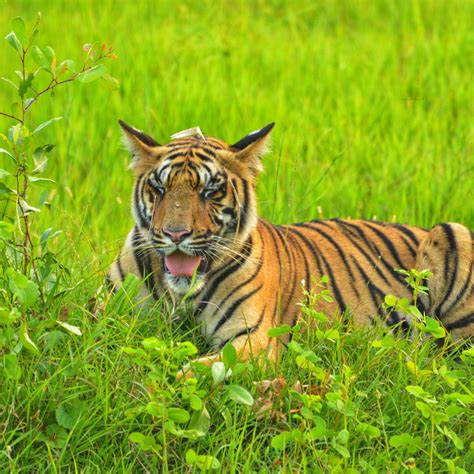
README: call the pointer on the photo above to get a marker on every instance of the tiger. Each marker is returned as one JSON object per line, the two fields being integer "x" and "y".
{"x": 197, "y": 233}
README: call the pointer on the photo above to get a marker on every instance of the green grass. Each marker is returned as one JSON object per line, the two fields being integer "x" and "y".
{"x": 372, "y": 101}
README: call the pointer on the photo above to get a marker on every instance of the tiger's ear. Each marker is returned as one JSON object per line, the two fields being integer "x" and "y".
{"x": 144, "y": 149}
{"x": 251, "y": 148}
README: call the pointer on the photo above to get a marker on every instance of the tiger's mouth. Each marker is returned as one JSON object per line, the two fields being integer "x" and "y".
{"x": 181, "y": 264}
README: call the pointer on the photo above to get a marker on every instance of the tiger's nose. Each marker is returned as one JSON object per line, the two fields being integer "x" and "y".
{"x": 176, "y": 235}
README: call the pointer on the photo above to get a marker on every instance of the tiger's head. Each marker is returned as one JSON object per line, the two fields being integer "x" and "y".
{"x": 194, "y": 199}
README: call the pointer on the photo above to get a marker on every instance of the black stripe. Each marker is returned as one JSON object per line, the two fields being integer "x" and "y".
{"x": 407, "y": 232}
{"x": 291, "y": 270}
{"x": 143, "y": 221}
{"x": 338, "y": 249}
{"x": 373, "y": 289}
{"x": 240, "y": 286}
{"x": 460, "y": 295}
{"x": 373, "y": 247}
{"x": 222, "y": 273}
{"x": 409, "y": 247}
{"x": 142, "y": 259}
{"x": 305, "y": 260}
{"x": 204, "y": 157}
{"x": 452, "y": 251}
{"x": 245, "y": 206}
{"x": 365, "y": 254}
{"x": 388, "y": 243}
{"x": 312, "y": 248}
{"x": 230, "y": 312}
{"x": 461, "y": 323}
{"x": 119, "y": 266}
{"x": 328, "y": 271}
{"x": 245, "y": 331}
{"x": 269, "y": 229}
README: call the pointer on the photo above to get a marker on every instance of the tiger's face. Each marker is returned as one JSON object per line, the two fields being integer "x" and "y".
{"x": 195, "y": 200}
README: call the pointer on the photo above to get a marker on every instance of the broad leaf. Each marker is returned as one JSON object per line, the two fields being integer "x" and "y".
{"x": 27, "y": 342}
{"x": 45, "y": 124}
{"x": 14, "y": 42}
{"x": 19, "y": 28}
{"x": 75, "y": 330}
{"x": 93, "y": 73}
{"x": 240, "y": 395}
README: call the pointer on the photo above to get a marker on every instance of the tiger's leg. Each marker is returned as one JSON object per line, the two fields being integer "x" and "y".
{"x": 448, "y": 251}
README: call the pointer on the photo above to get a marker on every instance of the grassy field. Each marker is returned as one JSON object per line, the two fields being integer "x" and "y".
{"x": 372, "y": 102}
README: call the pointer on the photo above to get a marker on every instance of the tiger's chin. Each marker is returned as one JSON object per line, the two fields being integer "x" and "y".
{"x": 183, "y": 285}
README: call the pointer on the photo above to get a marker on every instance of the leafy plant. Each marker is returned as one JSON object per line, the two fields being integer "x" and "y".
{"x": 30, "y": 272}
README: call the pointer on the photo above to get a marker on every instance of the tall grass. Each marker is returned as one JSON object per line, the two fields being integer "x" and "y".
{"x": 372, "y": 101}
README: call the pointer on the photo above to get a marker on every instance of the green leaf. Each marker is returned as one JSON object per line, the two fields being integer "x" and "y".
{"x": 229, "y": 355}
{"x": 14, "y": 43}
{"x": 156, "y": 409}
{"x": 5, "y": 152}
{"x": 320, "y": 428}
{"x": 147, "y": 443}
{"x": 25, "y": 85}
{"x": 424, "y": 408}
{"x": 178, "y": 415}
{"x": 457, "y": 441}
{"x": 240, "y": 395}
{"x": 390, "y": 300}
{"x": 281, "y": 440}
{"x": 195, "y": 402}
{"x": 68, "y": 414}
{"x": 137, "y": 438}
{"x": 35, "y": 30}
{"x": 5, "y": 79}
{"x": 369, "y": 430}
{"x": 75, "y": 330}
{"x": 418, "y": 392}
{"x": 279, "y": 330}
{"x": 191, "y": 456}
{"x": 70, "y": 65}
{"x": 27, "y": 209}
{"x": 56, "y": 436}
{"x": 4, "y": 173}
{"x": 39, "y": 57}
{"x": 342, "y": 450}
{"x": 218, "y": 372}
{"x": 7, "y": 317}
{"x": 19, "y": 28}
{"x": 406, "y": 441}
{"x": 433, "y": 327}
{"x": 464, "y": 398}
{"x": 25, "y": 290}
{"x": 92, "y": 74}
{"x": 206, "y": 462}
{"x": 11, "y": 367}
{"x": 27, "y": 342}
{"x": 295, "y": 347}
{"x": 50, "y": 59}
{"x": 343, "y": 437}
{"x": 45, "y": 124}
{"x": 41, "y": 182}
{"x": 200, "y": 422}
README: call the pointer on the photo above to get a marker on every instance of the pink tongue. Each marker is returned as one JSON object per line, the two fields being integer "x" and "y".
{"x": 180, "y": 264}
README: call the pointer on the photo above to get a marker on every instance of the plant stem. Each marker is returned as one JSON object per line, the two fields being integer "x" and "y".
{"x": 10, "y": 116}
